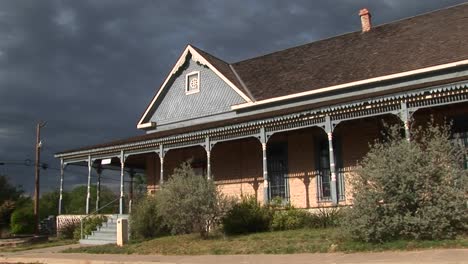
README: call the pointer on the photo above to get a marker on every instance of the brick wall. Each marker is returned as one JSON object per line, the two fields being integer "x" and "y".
{"x": 237, "y": 165}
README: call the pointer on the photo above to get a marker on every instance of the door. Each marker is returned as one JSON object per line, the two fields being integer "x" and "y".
{"x": 277, "y": 162}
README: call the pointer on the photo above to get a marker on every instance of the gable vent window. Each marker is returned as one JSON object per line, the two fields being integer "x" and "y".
{"x": 192, "y": 83}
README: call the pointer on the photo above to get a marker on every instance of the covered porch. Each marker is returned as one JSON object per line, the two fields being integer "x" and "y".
{"x": 304, "y": 157}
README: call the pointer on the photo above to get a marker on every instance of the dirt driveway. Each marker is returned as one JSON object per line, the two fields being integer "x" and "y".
{"x": 51, "y": 255}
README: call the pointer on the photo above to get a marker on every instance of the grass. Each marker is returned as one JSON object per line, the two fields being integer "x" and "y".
{"x": 282, "y": 242}
{"x": 50, "y": 243}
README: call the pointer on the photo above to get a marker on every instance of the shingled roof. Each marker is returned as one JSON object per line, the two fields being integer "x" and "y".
{"x": 426, "y": 40}
{"x": 423, "y": 41}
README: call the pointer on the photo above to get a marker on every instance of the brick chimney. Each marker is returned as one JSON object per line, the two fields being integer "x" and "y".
{"x": 365, "y": 20}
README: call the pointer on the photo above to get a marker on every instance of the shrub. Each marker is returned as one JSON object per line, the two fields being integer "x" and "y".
{"x": 247, "y": 216}
{"x": 90, "y": 224}
{"x": 145, "y": 219}
{"x": 67, "y": 231}
{"x": 22, "y": 221}
{"x": 410, "y": 190}
{"x": 325, "y": 217}
{"x": 290, "y": 218}
{"x": 190, "y": 203}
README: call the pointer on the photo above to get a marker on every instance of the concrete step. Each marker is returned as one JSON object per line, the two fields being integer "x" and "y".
{"x": 96, "y": 242}
{"x": 106, "y": 234}
{"x": 103, "y": 236}
{"x": 105, "y": 231}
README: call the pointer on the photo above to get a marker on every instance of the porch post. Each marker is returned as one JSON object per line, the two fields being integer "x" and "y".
{"x": 98, "y": 187}
{"x": 161, "y": 158}
{"x": 263, "y": 140}
{"x": 88, "y": 194}
{"x": 62, "y": 173}
{"x": 130, "y": 202}
{"x": 122, "y": 171}
{"x": 208, "y": 157}
{"x": 329, "y": 131}
{"x": 405, "y": 117}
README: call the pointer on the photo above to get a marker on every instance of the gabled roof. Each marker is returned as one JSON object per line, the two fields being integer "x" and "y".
{"x": 428, "y": 41}
{"x": 423, "y": 41}
{"x": 219, "y": 67}
{"x": 404, "y": 46}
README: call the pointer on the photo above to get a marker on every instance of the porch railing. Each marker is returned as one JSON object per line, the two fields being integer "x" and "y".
{"x": 94, "y": 213}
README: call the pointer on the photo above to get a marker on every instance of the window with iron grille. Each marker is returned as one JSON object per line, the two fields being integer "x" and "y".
{"x": 460, "y": 135}
{"x": 324, "y": 174}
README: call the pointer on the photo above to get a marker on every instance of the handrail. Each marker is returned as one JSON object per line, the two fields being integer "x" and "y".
{"x": 94, "y": 213}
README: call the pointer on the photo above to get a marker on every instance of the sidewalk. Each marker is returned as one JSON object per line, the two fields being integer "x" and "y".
{"x": 50, "y": 255}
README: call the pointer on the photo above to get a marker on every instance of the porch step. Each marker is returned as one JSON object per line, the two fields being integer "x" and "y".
{"x": 106, "y": 234}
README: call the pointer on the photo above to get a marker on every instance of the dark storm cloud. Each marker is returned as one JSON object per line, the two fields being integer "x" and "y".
{"x": 90, "y": 67}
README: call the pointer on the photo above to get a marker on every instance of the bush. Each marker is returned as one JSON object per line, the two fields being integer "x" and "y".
{"x": 190, "y": 203}
{"x": 290, "y": 218}
{"x": 67, "y": 231}
{"x": 22, "y": 221}
{"x": 325, "y": 217}
{"x": 247, "y": 216}
{"x": 90, "y": 224}
{"x": 410, "y": 190}
{"x": 145, "y": 219}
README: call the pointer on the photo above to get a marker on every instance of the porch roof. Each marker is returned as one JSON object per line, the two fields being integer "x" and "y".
{"x": 325, "y": 106}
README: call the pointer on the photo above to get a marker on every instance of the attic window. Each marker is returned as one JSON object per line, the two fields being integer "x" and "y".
{"x": 192, "y": 82}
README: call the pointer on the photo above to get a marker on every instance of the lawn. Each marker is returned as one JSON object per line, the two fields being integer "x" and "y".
{"x": 282, "y": 242}
{"x": 52, "y": 242}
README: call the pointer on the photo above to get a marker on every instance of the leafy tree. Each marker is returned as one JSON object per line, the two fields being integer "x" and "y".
{"x": 9, "y": 196}
{"x": 8, "y": 191}
{"x": 22, "y": 221}
{"x": 190, "y": 203}
{"x": 410, "y": 190}
{"x": 48, "y": 203}
{"x": 76, "y": 200}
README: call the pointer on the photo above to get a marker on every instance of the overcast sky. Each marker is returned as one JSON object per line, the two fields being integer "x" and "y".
{"x": 91, "y": 67}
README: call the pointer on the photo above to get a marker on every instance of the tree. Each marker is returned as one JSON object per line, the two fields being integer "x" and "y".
{"x": 410, "y": 190}
{"x": 9, "y": 196}
{"x": 48, "y": 204}
{"x": 76, "y": 203}
{"x": 189, "y": 202}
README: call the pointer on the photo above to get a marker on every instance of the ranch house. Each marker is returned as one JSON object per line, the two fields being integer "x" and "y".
{"x": 295, "y": 123}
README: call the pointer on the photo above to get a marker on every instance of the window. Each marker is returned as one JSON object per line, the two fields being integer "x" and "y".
{"x": 277, "y": 163}
{"x": 324, "y": 174}
{"x": 460, "y": 135}
{"x": 192, "y": 83}
{"x": 324, "y": 177}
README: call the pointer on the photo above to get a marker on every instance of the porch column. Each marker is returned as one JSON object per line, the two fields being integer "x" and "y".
{"x": 161, "y": 158}
{"x": 122, "y": 172}
{"x": 130, "y": 202}
{"x": 331, "y": 153}
{"x": 208, "y": 157}
{"x": 98, "y": 187}
{"x": 405, "y": 117}
{"x": 88, "y": 193}
{"x": 62, "y": 173}
{"x": 263, "y": 140}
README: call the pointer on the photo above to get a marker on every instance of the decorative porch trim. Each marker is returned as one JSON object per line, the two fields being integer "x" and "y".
{"x": 388, "y": 104}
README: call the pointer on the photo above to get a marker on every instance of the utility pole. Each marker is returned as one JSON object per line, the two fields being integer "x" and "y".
{"x": 37, "y": 167}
